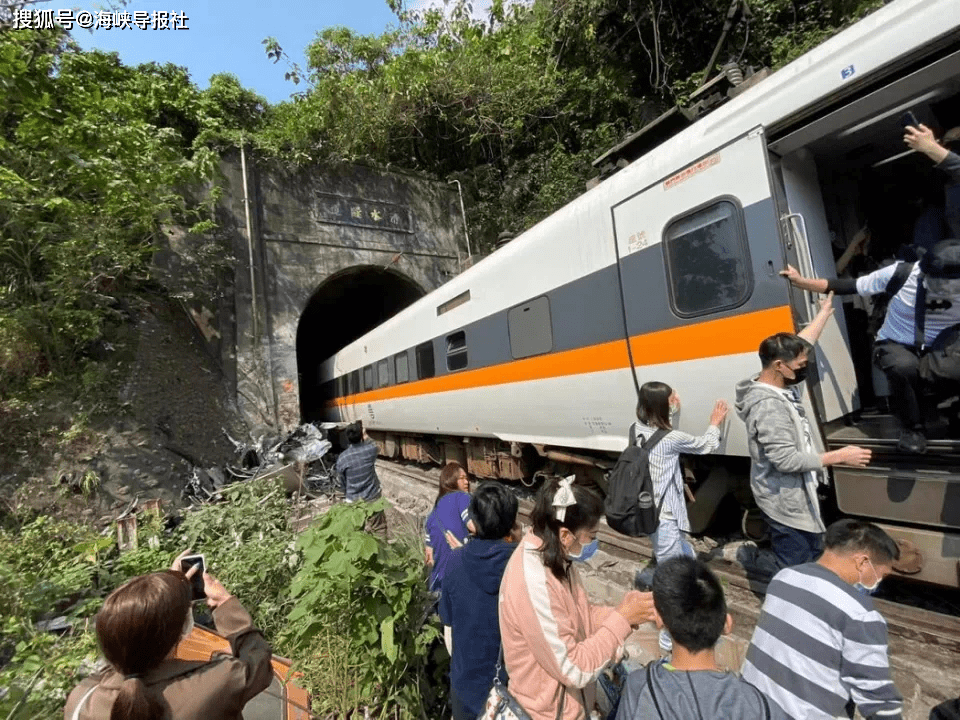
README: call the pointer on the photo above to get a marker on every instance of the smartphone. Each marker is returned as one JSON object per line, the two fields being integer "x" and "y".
{"x": 909, "y": 120}
{"x": 196, "y": 582}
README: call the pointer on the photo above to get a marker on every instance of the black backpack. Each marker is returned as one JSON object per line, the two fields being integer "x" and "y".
{"x": 629, "y": 506}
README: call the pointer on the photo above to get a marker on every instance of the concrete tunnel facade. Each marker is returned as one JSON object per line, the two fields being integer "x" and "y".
{"x": 332, "y": 252}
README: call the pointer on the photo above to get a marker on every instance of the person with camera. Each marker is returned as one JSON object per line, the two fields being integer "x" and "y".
{"x": 138, "y": 629}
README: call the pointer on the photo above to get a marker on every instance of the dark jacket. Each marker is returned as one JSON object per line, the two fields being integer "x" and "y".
{"x": 213, "y": 690}
{"x": 469, "y": 604}
{"x": 951, "y": 166}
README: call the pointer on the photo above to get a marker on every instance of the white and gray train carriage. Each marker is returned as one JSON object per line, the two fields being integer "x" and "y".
{"x": 668, "y": 270}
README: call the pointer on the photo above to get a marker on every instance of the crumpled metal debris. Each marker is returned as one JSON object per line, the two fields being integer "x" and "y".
{"x": 298, "y": 459}
{"x": 305, "y": 445}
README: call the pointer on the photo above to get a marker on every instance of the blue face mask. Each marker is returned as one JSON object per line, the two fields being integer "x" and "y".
{"x": 586, "y": 552}
{"x": 867, "y": 589}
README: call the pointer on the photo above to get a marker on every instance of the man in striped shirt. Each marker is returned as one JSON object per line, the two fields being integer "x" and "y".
{"x": 820, "y": 646}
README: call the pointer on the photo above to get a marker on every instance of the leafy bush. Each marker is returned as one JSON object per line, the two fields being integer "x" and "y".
{"x": 249, "y": 547}
{"x": 349, "y": 608}
{"x": 360, "y": 620}
{"x": 47, "y": 568}
{"x": 50, "y": 568}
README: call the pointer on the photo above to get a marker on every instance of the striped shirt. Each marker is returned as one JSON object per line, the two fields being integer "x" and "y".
{"x": 665, "y": 466}
{"x": 820, "y": 648}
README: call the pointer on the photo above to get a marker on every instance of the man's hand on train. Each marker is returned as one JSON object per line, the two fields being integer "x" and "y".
{"x": 792, "y": 274}
{"x": 849, "y": 455}
{"x": 797, "y": 280}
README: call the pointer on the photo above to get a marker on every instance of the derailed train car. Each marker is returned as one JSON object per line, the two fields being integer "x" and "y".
{"x": 529, "y": 362}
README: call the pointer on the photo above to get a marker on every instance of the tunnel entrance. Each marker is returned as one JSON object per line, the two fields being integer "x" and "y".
{"x": 344, "y": 307}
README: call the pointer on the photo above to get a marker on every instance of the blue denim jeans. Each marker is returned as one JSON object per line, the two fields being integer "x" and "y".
{"x": 792, "y": 546}
{"x": 668, "y": 541}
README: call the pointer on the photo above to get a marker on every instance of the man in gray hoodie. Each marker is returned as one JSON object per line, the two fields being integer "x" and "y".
{"x": 786, "y": 468}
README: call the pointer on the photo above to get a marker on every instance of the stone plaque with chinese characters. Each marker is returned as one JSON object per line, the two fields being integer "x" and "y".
{"x": 339, "y": 210}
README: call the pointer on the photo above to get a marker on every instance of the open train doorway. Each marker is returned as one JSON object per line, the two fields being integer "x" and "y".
{"x": 347, "y": 305}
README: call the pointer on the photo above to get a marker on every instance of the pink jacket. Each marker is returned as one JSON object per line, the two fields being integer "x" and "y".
{"x": 553, "y": 640}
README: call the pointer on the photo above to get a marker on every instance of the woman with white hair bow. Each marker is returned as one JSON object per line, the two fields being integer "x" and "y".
{"x": 555, "y": 642}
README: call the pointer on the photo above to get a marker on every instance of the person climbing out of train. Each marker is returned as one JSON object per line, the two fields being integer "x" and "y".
{"x": 658, "y": 402}
{"x": 555, "y": 641}
{"x": 470, "y": 596}
{"x": 918, "y": 345}
{"x": 785, "y": 469}
{"x": 446, "y": 527}
{"x": 820, "y": 646}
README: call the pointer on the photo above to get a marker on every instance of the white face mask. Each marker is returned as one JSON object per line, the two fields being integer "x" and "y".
{"x": 868, "y": 589}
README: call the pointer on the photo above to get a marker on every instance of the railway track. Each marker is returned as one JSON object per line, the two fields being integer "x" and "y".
{"x": 938, "y": 633}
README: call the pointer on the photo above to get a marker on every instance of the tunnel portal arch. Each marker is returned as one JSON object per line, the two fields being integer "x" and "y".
{"x": 345, "y": 306}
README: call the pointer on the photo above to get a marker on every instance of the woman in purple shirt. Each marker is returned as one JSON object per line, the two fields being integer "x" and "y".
{"x": 446, "y": 526}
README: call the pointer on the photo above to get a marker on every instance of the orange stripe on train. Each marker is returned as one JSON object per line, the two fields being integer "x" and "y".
{"x": 714, "y": 338}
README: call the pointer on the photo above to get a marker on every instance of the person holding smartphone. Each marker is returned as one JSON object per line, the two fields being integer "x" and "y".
{"x": 919, "y": 137}
{"x": 138, "y": 630}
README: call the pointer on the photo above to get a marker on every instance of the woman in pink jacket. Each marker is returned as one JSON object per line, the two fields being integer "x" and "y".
{"x": 555, "y": 643}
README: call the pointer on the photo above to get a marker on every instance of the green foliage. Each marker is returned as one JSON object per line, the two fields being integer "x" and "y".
{"x": 517, "y": 105}
{"x": 48, "y": 568}
{"x": 249, "y": 547}
{"x": 360, "y": 618}
{"x": 350, "y": 608}
{"x": 94, "y": 154}
{"x": 53, "y": 567}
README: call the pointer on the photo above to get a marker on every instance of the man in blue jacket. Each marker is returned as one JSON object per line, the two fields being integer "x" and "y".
{"x": 470, "y": 594}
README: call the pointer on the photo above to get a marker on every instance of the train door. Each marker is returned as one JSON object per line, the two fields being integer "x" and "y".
{"x": 807, "y": 246}
{"x": 699, "y": 257}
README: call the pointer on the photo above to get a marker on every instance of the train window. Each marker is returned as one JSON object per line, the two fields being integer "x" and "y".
{"x": 338, "y": 384}
{"x": 708, "y": 262}
{"x": 383, "y": 373}
{"x": 529, "y": 327}
{"x": 402, "y": 367}
{"x": 368, "y": 377}
{"x": 353, "y": 386}
{"x": 457, "y": 350}
{"x": 425, "y": 365}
